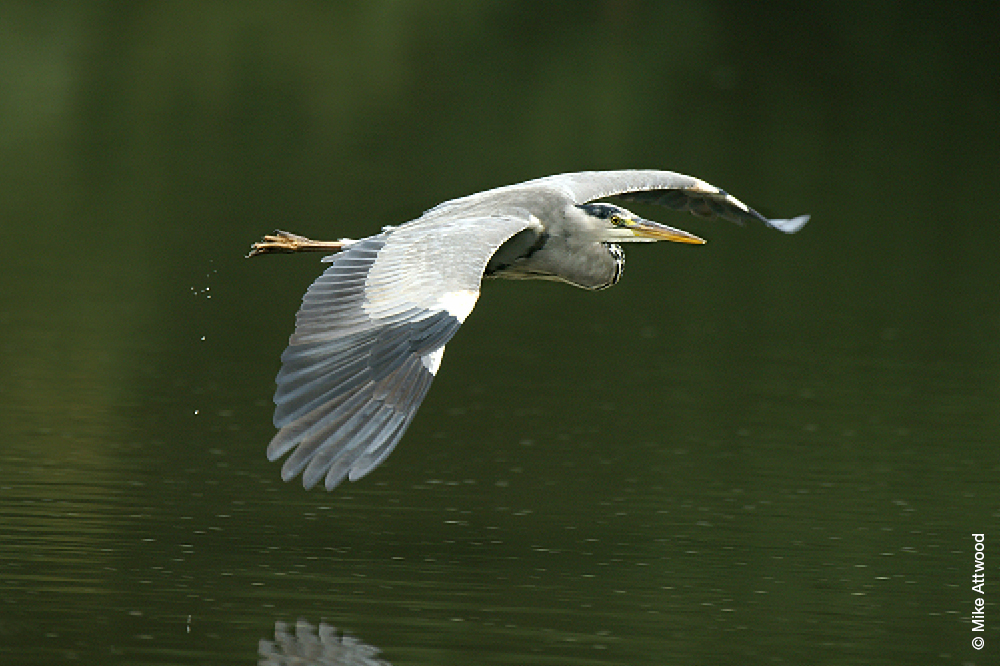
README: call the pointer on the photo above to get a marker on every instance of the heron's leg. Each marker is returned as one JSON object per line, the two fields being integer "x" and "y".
{"x": 283, "y": 241}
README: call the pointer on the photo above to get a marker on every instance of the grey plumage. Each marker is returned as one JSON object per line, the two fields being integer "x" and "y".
{"x": 372, "y": 328}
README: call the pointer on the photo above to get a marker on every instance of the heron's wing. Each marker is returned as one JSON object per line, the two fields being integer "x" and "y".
{"x": 665, "y": 188}
{"x": 369, "y": 339}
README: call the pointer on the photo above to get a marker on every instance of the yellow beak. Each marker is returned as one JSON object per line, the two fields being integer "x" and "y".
{"x": 649, "y": 229}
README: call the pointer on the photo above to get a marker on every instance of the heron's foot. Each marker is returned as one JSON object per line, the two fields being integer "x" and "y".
{"x": 285, "y": 242}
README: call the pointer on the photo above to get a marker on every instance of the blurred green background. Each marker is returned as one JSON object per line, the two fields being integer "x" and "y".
{"x": 768, "y": 449}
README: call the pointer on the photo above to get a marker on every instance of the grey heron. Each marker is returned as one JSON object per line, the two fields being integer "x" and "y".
{"x": 372, "y": 328}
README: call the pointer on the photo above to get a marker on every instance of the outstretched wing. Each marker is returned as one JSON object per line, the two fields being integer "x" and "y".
{"x": 665, "y": 188}
{"x": 369, "y": 338}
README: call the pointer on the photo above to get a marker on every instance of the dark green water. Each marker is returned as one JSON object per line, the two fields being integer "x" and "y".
{"x": 768, "y": 449}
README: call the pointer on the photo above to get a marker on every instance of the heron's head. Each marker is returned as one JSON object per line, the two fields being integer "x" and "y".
{"x": 614, "y": 224}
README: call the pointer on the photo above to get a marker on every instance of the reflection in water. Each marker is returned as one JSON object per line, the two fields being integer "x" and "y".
{"x": 311, "y": 647}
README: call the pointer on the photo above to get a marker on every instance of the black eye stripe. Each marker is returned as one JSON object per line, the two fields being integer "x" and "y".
{"x": 604, "y": 211}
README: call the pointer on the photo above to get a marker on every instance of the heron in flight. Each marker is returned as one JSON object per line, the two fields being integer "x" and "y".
{"x": 372, "y": 328}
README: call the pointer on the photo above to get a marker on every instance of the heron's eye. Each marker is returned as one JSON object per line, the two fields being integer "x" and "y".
{"x": 617, "y": 220}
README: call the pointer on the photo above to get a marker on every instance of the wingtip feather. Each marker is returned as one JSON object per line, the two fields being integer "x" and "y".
{"x": 789, "y": 226}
